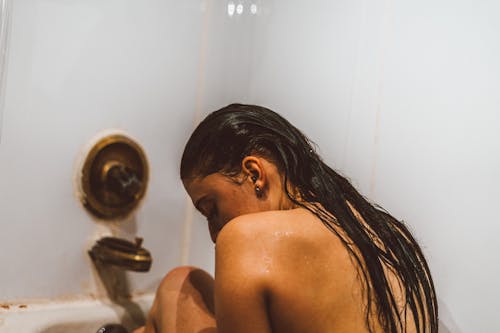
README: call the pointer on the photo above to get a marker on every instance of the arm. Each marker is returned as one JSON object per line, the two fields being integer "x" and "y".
{"x": 241, "y": 281}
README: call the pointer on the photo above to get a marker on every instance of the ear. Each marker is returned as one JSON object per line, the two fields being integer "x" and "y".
{"x": 253, "y": 168}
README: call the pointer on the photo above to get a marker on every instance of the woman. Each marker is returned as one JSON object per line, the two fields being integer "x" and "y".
{"x": 298, "y": 249}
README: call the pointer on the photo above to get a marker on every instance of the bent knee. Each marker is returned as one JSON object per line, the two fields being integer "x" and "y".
{"x": 181, "y": 276}
{"x": 188, "y": 281}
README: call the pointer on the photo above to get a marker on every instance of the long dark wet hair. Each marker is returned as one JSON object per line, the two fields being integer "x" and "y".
{"x": 378, "y": 240}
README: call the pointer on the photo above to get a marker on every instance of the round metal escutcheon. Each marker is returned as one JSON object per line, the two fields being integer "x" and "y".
{"x": 114, "y": 177}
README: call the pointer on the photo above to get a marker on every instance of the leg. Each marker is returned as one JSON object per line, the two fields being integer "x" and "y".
{"x": 183, "y": 304}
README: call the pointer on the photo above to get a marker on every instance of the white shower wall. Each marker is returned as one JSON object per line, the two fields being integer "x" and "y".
{"x": 402, "y": 97}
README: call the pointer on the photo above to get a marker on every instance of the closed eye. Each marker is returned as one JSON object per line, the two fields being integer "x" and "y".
{"x": 212, "y": 213}
{"x": 207, "y": 208}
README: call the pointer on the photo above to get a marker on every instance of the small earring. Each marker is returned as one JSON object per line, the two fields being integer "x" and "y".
{"x": 258, "y": 191}
{"x": 254, "y": 178}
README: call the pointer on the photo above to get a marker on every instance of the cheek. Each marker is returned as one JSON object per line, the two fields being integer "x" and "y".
{"x": 237, "y": 202}
{"x": 227, "y": 211}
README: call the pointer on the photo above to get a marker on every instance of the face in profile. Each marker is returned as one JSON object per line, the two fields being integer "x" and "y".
{"x": 221, "y": 198}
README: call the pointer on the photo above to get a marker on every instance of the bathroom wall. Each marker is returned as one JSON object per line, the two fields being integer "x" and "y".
{"x": 403, "y": 98}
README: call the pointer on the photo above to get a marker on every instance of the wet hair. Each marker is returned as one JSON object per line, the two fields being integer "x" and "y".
{"x": 378, "y": 240}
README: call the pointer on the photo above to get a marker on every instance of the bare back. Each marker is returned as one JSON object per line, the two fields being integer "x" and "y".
{"x": 285, "y": 272}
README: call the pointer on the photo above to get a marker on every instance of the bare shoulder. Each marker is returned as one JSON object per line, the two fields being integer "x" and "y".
{"x": 257, "y": 239}
{"x": 250, "y": 236}
{"x": 271, "y": 220}
{"x": 270, "y": 226}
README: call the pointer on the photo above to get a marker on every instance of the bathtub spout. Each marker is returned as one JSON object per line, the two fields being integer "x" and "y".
{"x": 121, "y": 253}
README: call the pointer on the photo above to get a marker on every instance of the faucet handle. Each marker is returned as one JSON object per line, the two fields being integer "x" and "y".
{"x": 121, "y": 180}
{"x": 122, "y": 253}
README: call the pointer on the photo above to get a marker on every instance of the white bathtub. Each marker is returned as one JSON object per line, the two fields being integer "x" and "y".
{"x": 82, "y": 316}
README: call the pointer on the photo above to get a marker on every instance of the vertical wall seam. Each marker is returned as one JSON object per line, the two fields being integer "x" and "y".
{"x": 200, "y": 91}
{"x": 186, "y": 232}
{"x": 354, "y": 83}
{"x": 386, "y": 30}
{"x": 4, "y": 40}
